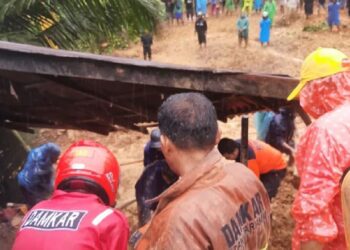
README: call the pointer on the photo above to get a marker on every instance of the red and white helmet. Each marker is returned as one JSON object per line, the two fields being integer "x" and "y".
{"x": 91, "y": 167}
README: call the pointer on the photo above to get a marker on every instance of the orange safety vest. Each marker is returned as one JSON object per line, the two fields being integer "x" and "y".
{"x": 267, "y": 158}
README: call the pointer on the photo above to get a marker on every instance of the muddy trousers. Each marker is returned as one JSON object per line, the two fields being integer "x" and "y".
{"x": 147, "y": 52}
{"x": 272, "y": 181}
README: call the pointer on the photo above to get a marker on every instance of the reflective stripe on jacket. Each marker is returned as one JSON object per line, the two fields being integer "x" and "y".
{"x": 72, "y": 221}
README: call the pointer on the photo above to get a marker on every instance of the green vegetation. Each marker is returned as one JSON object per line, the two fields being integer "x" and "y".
{"x": 316, "y": 27}
{"x": 88, "y": 25}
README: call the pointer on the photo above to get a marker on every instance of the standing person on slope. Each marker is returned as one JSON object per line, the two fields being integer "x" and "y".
{"x": 147, "y": 41}
{"x": 308, "y": 8}
{"x": 201, "y": 30}
{"x": 333, "y": 15}
{"x": 229, "y": 6}
{"x": 243, "y": 29}
{"x": 189, "y": 9}
{"x": 271, "y": 8}
{"x": 265, "y": 26}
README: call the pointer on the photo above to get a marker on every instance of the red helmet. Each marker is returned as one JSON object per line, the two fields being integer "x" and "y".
{"x": 89, "y": 166}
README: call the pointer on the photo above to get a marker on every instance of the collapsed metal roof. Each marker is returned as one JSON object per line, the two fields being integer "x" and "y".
{"x": 41, "y": 87}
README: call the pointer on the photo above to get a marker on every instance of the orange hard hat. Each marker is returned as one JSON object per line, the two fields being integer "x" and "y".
{"x": 89, "y": 166}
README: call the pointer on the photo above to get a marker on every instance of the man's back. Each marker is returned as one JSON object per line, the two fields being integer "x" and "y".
{"x": 220, "y": 206}
{"x": 267, "y": 157}
{"x": 72, "y": 221}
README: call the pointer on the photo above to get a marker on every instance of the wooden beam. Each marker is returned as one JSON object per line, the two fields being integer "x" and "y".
{"x": 244, "y": 140}
{"x": 53, "y": 78}
{"x": 67, "y": 64}
{"x": 16, "y": 126}
{"x": 74, "y": 88}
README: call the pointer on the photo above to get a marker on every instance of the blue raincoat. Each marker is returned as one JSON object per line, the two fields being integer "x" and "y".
{"x": 201, "y": 6}
{"x": 265, "y": 25}
{"x": 258, "y": 4}
{"x": 36, "y": 177}
{"x": 333, "y": 14}
{"x": 262, "y": 122}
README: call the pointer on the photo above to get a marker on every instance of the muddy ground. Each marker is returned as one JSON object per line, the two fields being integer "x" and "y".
{"x": 128, "y": 148}
{"x": 177, "y": 44}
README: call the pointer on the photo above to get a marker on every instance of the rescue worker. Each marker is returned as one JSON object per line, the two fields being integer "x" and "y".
{"x": 35, "y": 179}
{"x": 152, "y": 151}
{"x": 323, "y": 153}
{"x": 201, "y": 29}
{"x": 80, "y": 213}
{"x": 281, "y": 131}
{"x": 215, "y": 204}
{"x": 155, "y": 179}
{"x": 266, "y": 162}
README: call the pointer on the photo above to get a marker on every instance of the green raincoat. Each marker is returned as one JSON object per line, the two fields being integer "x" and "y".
{"x": 229, "y": 5}
{"x": 271, "y": 8}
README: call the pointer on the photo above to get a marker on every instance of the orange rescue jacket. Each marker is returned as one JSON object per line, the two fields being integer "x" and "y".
{"x": 267, "y": 158}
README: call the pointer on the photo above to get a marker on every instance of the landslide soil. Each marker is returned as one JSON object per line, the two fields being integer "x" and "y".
{"x": 177, "y": 44}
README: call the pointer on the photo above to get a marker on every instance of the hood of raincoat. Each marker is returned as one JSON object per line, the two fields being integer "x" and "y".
{"x": 324, "y": 95}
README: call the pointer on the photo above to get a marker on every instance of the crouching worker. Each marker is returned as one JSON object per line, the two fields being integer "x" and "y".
{"x": 266, "y": 162}
{"x": 79, "y": 215}
{"x": 152, "y": 151}
{"x": 36, "y": 177}
{"x": 155, "y": 179}
{"x": 215, "y": 204}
